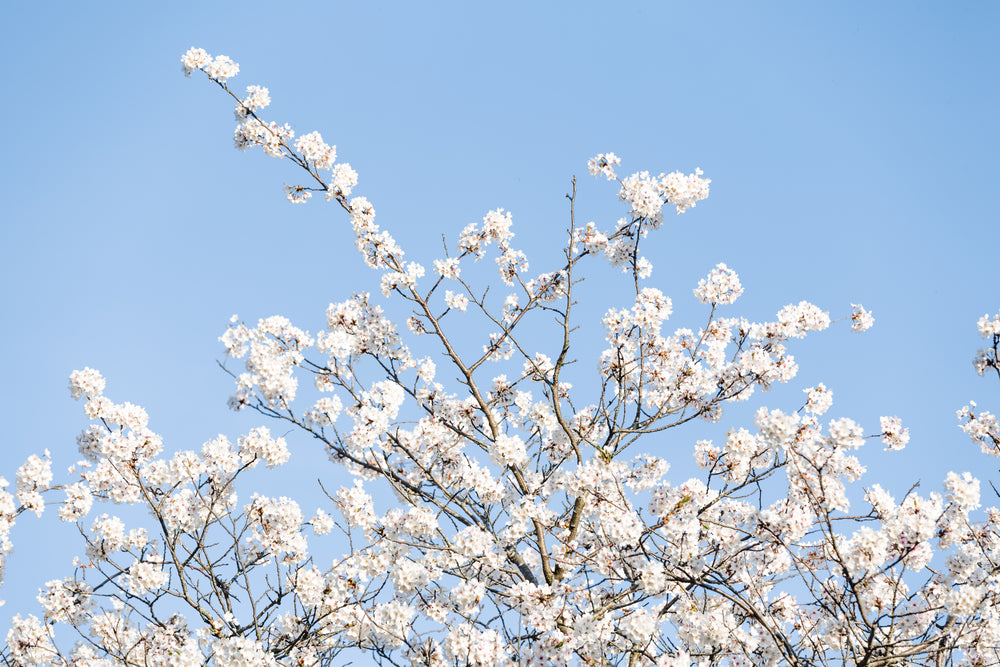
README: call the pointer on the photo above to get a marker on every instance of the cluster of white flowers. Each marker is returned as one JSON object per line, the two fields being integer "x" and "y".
{"x": 548, "y": 287}
{"x": 66, "y": 601}
{"x": 456, "y": 301}
{"x": 272, "y": 349}
{"x": 721, "y": 287}
{"x": 322, "y": 523}
{"x": 222, "y": 68}
{"x": 861, "y": 319}
{"x": 818, "y": 399}
{"x": 297, "y": 194}
{"x": 797, "y": 320}
{"x": 257, "y": 97}
{"x": 356, "y": 506}
{"x": 30, "y": 642}
{"x": 325, "y": 411}
{"x": 315, "y": 151}
{"x": 241, "y": 652}
{"x": 276, "y": 527}
{"x": 343, "y": 179}
{"x": 33, "y": 477}
{"x": 195, "y": 59}
{"x": 894, "y": 436}
{"x": 78, "y": 502}
{"x": 271, "y": 137}
{"x": 467, "y": 645}
{"x": 448, "y": 268}
{"x": 603, "y": 164}
{"x": 988, "y": 326}
{"x": 646, "y": 195}
{"x": 963, "y": 490}
{"x": 88, "y": 382}
{"x": 509, "y": 450}
{"x": 592, "y": 239}
{"x": 146, "y": 575}
{"x": 982, "y": 427}
{"x": 258, "y": 444}
{"x": 986, "y": 359}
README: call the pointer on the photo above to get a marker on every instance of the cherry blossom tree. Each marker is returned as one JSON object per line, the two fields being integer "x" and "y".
{"x": 531, "y": 524}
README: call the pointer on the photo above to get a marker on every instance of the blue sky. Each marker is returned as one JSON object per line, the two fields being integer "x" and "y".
{"x": 852, "y": 150}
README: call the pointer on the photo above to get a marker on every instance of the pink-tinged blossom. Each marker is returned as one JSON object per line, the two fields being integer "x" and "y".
{"x": 220, "y": 459}
{"x": 259, "y": 445}
{"x": 315, "y": 151}
{"x": 861, "y": 319}
{"x": 87, "y": 382}
{"x": 651, "y": 309}
{"x": 66, "y": 601}
{"x": 241, "y": 652}
{"x": 472, "y": 241}
{"x": 706, "y": 454}
{"x": 356, "y": 505}
{"x": 639, "y": 627}
{"x": 643, "y": 194}
{"x": 548, "y": 287}
{"x": 392, "y": 620}
{"x": 643, "y": 268}
{"x": 447, "y": 268}
{"x": 343, "y": 179}
{"x": 818, "y": 399}
{"x": 894, "y": 436}
{"x": 78, "y": 502}
{"x": 881, "y": 501}
{"x": 276, "y": 528}
{"x": 297, "y": 194}
{"x": 33, "y": 477}
{"x": 684, "y": 191}
{"x": 865, "y": 552}
{"x": 497, "y": 224}
{"x": 510, "y": 263}
{"x": 222, "y": 68}
{"x": 467, "y": 645}
{"x": 508, "y": 450}
{"x": 322, "y": 523}
{"x": 467, "y": 595}
{"x": 308, "y": 584}
{"x": 182, "y": 511}
{"x": 427, "y": 370}
{"x": 272, "y": 351}
{"x": 108, "y": 536}
{"x": 30, "y": 642}
{"x": 146, "y": 576}
{"x": 722, "y": 286}
{"x": 456, "y": 301}
{"x": 603, "y": 165}
{"x": 271, "y": 137}
{"x": 988, "y": 326}
{"x": 965, "y": 600}
{"x": 195, "y": 59}
{"x": 679, "y": 659}
{"x": 797, "y": 320}
{"x": 982, "y": 427}
{"x": 403, "y": 281}
{"x": 325, "y": 411}
{"x": 962, "y": 490}
{"x": 590, "y": 238}
{"x": 257, "y": 98}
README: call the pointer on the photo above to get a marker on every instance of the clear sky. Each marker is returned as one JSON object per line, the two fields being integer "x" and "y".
{"x": 852, "y": 148}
